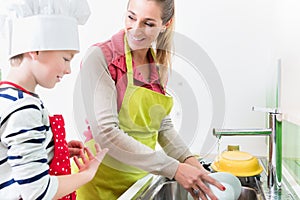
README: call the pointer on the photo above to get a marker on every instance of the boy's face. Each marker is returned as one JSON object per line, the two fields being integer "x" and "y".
{"x": 51, "y": 66}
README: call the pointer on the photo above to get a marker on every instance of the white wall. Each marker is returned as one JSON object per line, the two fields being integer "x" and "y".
{"x": 288, "y": 51}
{"x": 237, "y": 36}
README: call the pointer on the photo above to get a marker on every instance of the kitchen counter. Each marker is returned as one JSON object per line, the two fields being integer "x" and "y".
{"x": 285, "y": 193}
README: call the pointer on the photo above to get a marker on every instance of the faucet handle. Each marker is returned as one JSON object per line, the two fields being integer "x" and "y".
{"x": 266, "y": 110}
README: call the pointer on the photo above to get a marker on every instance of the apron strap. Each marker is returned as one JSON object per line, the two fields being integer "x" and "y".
{"x": 128, "y": 62}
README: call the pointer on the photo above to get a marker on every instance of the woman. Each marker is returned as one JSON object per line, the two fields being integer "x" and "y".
{"x": 123, "y": 85}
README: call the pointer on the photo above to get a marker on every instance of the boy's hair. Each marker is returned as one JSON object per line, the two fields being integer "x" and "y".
{"x": 16, "y": 60}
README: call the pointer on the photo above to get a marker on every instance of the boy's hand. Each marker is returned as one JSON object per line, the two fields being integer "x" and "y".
{"x": 76, "y": 148}
{"x": 90, "y": 163}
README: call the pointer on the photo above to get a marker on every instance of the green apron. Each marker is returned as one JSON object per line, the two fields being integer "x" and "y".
{"x": 140, "y": 117}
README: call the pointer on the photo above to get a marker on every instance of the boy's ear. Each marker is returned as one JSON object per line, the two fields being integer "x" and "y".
{"x": 33, "y": 54}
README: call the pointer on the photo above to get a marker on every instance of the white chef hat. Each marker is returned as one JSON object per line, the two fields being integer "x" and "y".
{"x": 39, "y": 25}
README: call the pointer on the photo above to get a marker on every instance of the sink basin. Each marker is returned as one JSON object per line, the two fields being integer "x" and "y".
{"x": 172, "y": 190}
{"x": 249, "y": 193}
{"x": 165, "y": 189}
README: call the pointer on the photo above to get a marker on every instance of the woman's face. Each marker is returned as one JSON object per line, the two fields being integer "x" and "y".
{"x": 143, "y": 23}
{"x": 52, "y": 66}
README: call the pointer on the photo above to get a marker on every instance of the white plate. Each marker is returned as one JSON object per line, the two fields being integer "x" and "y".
{"x": 232, "y": 184}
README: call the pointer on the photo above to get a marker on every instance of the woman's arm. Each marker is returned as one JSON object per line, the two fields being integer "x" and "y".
{"x": 171, "y": 142}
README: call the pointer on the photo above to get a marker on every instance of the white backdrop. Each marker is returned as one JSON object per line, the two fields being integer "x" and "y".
{"x": 236, "y": 35}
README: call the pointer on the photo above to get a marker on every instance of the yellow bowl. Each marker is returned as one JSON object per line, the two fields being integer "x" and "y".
{"x": 238, "y": 163}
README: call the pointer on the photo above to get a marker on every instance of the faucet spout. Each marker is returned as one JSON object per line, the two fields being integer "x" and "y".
{"x": 239, "y": 132}
{"x": 275, "y": 144}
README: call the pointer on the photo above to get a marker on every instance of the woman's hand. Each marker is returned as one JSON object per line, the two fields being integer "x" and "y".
{"x": 194, "y": 178}
{"x": 90, "y": 163}
{"x": 76, "y": 148}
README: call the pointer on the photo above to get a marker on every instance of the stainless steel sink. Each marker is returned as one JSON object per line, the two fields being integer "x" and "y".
{"x": 171, "y": 190}
{"x": 249, "y": 193}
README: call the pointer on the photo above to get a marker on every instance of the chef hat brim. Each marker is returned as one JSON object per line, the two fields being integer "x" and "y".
{"x": 42, "y": 33}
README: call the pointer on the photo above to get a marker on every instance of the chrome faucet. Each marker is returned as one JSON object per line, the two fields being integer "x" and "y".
{"x": 273, "y": 131}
